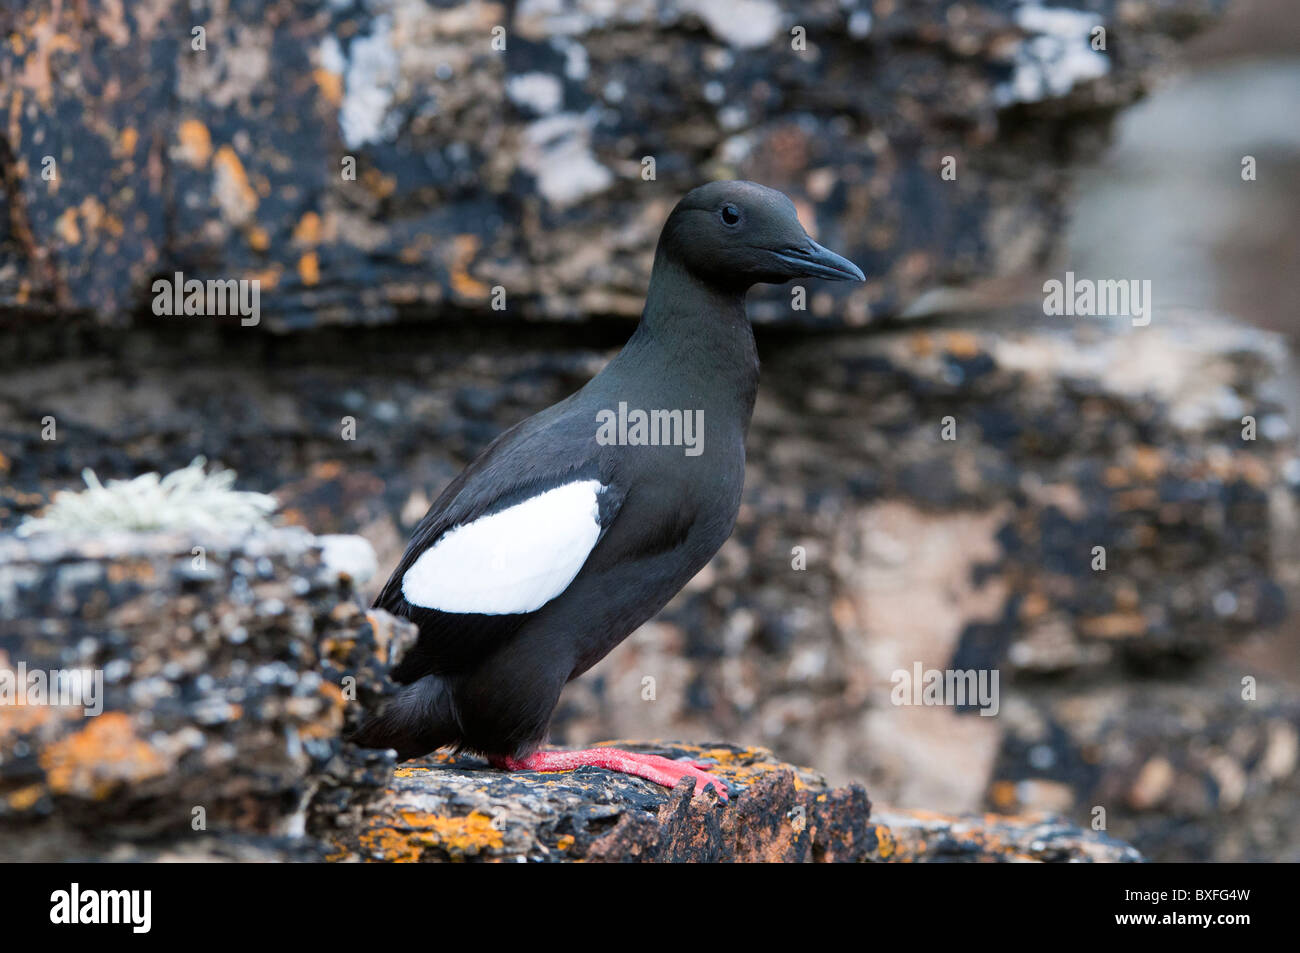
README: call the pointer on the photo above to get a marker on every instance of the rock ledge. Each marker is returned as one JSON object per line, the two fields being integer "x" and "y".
{"x": 456, "y": 808}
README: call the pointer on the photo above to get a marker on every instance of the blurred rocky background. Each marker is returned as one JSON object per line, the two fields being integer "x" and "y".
{"x": 1159, "y": 697}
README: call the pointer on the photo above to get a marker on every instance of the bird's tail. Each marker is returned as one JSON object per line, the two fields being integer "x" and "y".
{"x": 418, "y": 719}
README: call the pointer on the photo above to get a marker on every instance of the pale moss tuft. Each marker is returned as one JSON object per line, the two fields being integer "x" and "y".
{"x": 188, "y": 498}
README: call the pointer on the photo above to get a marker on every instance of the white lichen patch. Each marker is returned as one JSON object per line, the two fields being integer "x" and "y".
{"x": 746, "y": 24}
{"x": 557, "y": 150}
{"x": 1055, "y": 57}
{"x": 1186, "y": 363}
{"x": 370, "y": 74}
{"x": 189, "y": 498}
{"x": 547, "y": 19}
{"x": 540, "y": 92}
{"x": 350, "y": 556}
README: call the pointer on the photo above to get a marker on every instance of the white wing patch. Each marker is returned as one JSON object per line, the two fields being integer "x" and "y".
{"x": 515, "y": 560}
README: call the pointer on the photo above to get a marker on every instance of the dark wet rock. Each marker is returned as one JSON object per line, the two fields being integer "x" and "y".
{"x": 1202, "y": 769}
{"x": 231, "y": 678}
{"x": 457, "y": 809}
{"x": 978, "y": 553}
{"x": 1118, "y": 685}
{"x": 971, "y": 553}
{"x": 478, "y": 168}
{"x": 230, "y": 669}
{"x": 924, "y": 836}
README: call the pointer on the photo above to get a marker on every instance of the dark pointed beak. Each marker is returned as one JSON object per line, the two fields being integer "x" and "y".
{"x": 813, "y": 261}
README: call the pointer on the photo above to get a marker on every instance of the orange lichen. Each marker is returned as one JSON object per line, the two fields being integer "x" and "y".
{"x": 106, "y": 753}
{"x": 390, "y": 845}
{"x": 1003, "y": 795}
{"x": 743, "y": 767}
{"x": 1115, "y": 625}
{"x": 66, "y": 227}
{"x": 885, "y": 841}
{"x": 921, "y": 345}
{"x": 377, "y": 184}
{"x": 267, "y": 278}
{"x": 1253, "y": 470}
{"x": 331, "y": 86}
{"x": 420, "y": 248}
{"x": 1148, "y": 464}
{"x": 140, "y": 570}
{"x": 237, "y": 198}
{"x": 419, "y": 831}
{"x": 1034, "y": 606}
{"x": 25, "y": 797}
{"x": 464, "y": 249}
{"x": 196, "y": 142}
{"x": 309, "y": 268}
{"x": 293, "y": 517}
{"x": 424, "y": 765}
{"x": 20, "y": 719}
{"x": 962, "y": 344}
{"x": 308, "y": 230}
{"x": 332, "y": 722}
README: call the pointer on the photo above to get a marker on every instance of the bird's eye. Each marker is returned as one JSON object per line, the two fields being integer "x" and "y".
{"x": 730, "y": 214}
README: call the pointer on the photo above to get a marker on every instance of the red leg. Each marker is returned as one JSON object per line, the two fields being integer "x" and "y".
{"x": 652, "y": 767}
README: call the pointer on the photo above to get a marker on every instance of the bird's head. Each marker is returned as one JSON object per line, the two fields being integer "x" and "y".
{"x": 737, "y": 234}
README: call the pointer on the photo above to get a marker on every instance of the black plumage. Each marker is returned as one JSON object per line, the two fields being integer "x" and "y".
{"x": 489, "y": 682}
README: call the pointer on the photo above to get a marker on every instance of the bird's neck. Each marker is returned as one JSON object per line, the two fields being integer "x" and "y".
{"x": 698, "y": 335}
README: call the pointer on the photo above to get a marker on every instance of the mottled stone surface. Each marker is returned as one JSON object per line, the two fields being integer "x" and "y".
{"x": 1201, "y": 767}
{"x": 227, "y": 681}
{"x": 975, "y": 552}
{"x": 917, "y": 836}
{"x": 457, "y": 809}
{"x": 978, "y": 553}
{"x": 448, "y": 808}
{"x": 1121, "y": 689}
{"x": 470, "y": 167}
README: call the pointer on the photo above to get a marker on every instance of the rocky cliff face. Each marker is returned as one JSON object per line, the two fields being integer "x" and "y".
{"x": 1098, "y": 532}
{"x": 454, "y": 809}
{"x": 366, "y": 161}
{"x": 933, "y": 492}
{"x": 221, "y": 672}
{"x": 867, "y": 543}
{"x": 228, "y": 680}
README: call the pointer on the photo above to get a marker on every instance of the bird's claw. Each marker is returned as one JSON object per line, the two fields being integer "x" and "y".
{"x": 704, "y": 778}
{"x": 652, "y": 767}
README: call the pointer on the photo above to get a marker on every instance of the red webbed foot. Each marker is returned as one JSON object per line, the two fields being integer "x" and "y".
{"x": 652, "y": 767}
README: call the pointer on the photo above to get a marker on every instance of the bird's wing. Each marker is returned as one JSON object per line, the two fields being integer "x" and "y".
{"x": 505, "y": 538}
{"x": 510, "y": 561}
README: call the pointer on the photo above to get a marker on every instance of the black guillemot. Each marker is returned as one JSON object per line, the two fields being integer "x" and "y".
{"x": 566, "y": 534}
